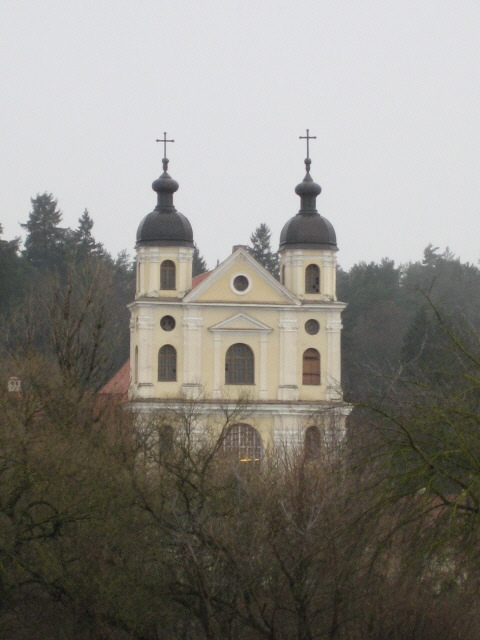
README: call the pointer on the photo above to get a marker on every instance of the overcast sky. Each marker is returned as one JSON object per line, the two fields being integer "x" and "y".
{"x": 390, "y": 88}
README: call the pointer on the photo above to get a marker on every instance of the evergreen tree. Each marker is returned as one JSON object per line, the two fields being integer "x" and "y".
{"x": 198, "y": 264}
{"x": 44, "y": 241}
{"x": 261, "y": 249}
{"x": 83, "y": 242}
{"x": 11, "y": 272}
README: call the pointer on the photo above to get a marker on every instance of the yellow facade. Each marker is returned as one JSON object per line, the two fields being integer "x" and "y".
{"x": 235, "y": 343}
{"x": 213, "y": 316}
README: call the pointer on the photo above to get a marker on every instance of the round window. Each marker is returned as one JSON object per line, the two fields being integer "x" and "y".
{"x": 240, "y": 283}
{"x": 312, "y": 327}
{"x": 167, "y": 323}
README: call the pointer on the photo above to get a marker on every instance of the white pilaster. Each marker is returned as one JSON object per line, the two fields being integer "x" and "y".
{"x": 288, "y": 375}
{"x": 146, "y": 356}
{"x": 263, "y": 390}
{"x": 333, "y": 365}
{"x": 192, "y": 353}
{"x": 217, "y": 366}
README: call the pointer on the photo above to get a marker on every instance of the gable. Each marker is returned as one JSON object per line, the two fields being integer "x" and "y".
{"x": 241, "y": 279}
{"x": 241, "y": 322}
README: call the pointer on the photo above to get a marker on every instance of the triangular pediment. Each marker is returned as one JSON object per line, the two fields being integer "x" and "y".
{"x": 241, "y": 322}
{"x": 261, "y": 287}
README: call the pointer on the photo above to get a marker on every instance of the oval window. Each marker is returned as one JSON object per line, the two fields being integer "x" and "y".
{"x": 240, "y": 283}
{"x": 167, "y": 323}
{"x": 312, "y": 327}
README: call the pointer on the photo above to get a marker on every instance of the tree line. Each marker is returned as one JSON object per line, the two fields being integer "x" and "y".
{"x": 115, "y": 529}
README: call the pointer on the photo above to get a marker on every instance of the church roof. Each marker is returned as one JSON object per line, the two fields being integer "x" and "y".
{"x": 118, "y": 385}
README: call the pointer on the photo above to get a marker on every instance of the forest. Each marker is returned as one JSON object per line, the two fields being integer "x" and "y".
{"x": 116, "y": 532}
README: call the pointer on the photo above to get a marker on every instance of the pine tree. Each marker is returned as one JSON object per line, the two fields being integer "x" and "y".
{"x": 43, "y": 244}
{"x": 261, "y": 249}
{"x": 198, "y": 264}
{"x": 83, "y": 242}
{"x": 11, "y": 272}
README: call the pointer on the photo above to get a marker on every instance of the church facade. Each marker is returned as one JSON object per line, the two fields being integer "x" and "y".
{"x": 235, "y": 341}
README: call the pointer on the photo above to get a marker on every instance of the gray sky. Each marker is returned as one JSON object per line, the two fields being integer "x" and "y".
{"x": 390, "y": 88}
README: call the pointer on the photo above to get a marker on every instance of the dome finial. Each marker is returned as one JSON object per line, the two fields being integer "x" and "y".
{"x": 308, "y": 190}
{"x": 308, "y": 137}
{"x": 164, "y": 140}
{"x": 164, "y": 185}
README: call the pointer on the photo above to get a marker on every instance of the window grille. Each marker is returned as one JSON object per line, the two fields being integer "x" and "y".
{"x": 167, "y": 364}
{"x": 239, "y": 365}
{"x": 243, "y": 443}
{"x": 312, "y": 279}
{"x": 167, "y": 275}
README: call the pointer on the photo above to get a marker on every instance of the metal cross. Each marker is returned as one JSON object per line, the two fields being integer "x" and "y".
{"x": 308, "y": 137}
{"x": 164, "y": 140}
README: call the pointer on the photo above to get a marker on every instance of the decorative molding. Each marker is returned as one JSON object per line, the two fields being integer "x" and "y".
{"x": 145, "y": 322}
{"x": 251, "y": 325}
{"x": 193, "y": 323}
{"x": 185, "y": 255}
{"x": 334, "y": 326}
{"x": 288, "y": 324}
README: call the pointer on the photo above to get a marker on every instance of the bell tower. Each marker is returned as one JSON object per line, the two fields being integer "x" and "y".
{"x": 164, "y": 244}
{"x": 308, "y": 245}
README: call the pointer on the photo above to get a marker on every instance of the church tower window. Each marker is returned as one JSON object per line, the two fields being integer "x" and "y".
{"x": 167, "y": 364}
{"x": 167, "y": 275}
{"x": 311, "y": 367}
{"x": 239, "y": 364}
{"x": 312, "y": 279}
{"x": 136, "y": 366}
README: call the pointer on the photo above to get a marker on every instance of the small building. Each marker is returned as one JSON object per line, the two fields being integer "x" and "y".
{"x": 236, "y": 336}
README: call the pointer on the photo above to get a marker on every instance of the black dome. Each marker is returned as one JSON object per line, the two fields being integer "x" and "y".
{"x": 308, "y": 229}
{"x": 162, "y": 229}
{"x": 311, "y": 231}
{"x": 165, "y": 226}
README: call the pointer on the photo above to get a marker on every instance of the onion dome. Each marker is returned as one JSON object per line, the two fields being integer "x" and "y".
{"x": 308, "y": 229}
{"x": 165, "y": 226}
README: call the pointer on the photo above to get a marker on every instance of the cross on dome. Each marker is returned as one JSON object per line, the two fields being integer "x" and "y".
{"x": 164, "y": 140}
{"x": 308, "y": 137}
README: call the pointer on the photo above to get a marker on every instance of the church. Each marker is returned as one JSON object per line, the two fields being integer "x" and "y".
{"x": 235, "y": 341}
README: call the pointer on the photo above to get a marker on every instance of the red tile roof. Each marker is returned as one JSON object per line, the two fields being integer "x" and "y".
{"x": 118, "y": 385}
{"x": 198, "y": 279}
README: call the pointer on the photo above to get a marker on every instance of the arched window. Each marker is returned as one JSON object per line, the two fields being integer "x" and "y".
{"x": 239, "y": 364}
{"x": 165, "y": 439}
{"x": 167, "y": 275}
{"x": 136, "y": 366}
{"x": 312, "y": 443}
{"x": 283, "y": 274}
{"x": 312, "y": 279}
{"x": 243, "y": 443}
{"x": 311, "y": 367}
{"x": 167, "y": 364}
